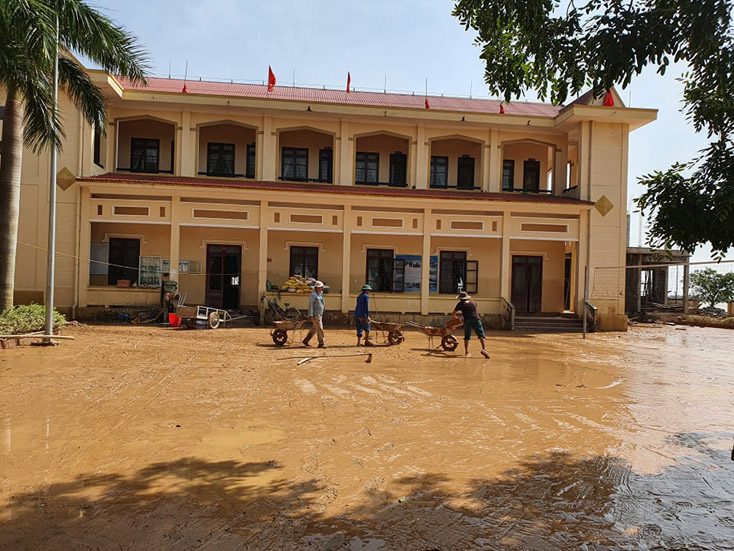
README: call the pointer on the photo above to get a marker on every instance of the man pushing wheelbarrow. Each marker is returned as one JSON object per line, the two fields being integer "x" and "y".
{"x": 468, "y": 309}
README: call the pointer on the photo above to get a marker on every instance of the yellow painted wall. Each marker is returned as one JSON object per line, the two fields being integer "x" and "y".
{"x": 384, "y": 145}
{"x": 522, "y": 152}
{"x": 485, "y": 251}
{"x": 554, "y": 257}
{"x": 400, "y": 244}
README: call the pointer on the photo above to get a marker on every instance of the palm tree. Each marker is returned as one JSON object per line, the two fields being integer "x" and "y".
{"x": 33, "y": 34}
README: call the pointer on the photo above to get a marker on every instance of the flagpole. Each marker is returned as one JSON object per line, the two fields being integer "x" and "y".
{"x": 51, "y": 260}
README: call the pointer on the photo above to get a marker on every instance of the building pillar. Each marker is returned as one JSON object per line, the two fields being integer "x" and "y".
{"x": 495, "y": 162}
{"x": 175, "y": 247}
{"x": 583, "y": 260}
{"x": 560, "y": 168}
{"x": 686, "y": 283}
{"x": 262, "y": 263}
{"x": 506, "y": 259}
{"x": 422, "y": 158}
{"x": 85, "y": 247}
{"x": 186, "y": 162}
{"x": 346, "y": 257}
{"x": 269, "y": 155}
{"x": 426, "y": 262}
{"x": 584, "y": 161}
{"x": 345, "y": 168}
{"x": 112, "y": 138}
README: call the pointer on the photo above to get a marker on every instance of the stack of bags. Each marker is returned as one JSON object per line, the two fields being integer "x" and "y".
{"x": 298, "y": 284}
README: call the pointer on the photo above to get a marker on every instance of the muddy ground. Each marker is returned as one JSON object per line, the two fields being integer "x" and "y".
{"x": 139, "y": 437}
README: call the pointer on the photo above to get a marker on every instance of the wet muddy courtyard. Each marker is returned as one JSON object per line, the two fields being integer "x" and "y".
{"x": 138, "y": 437}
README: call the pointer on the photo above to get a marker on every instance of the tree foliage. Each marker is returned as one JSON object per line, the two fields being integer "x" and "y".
{"x": 559, "y": 48}
{"x": 712, "y": 287}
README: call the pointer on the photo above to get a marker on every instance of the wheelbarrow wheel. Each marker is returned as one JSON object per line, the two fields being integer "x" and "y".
{"x": 449, "y": 343}
{"x": 190, "y": 323}
{"x": 213, "y": 320}
{"x": 280, "y": 337}
{"x": 395, "y": 337}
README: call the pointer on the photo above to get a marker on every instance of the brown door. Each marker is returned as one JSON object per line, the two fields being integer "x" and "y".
{"x": 223, "y": 276}
{"x": 527, "y": 283}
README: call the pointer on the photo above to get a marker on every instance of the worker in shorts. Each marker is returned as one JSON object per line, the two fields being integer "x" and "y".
{"x": 362, "y": 316}
{"x": 468, "y": 309}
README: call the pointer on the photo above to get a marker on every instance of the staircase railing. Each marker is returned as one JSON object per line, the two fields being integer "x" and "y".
{"x": 590, "y": 312}
{"x": 508, "y": 314}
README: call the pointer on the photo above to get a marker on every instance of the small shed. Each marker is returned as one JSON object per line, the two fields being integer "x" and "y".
{"x": 648, "y": 278}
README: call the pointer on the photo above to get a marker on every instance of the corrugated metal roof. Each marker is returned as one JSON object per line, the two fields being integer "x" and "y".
{"x": 367, "y": 99}
{"x": 330, "y": 189}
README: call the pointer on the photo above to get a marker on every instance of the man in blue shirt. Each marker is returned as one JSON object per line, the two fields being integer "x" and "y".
{"x": 315, "y": 315}
{"x": 362, "y": 316}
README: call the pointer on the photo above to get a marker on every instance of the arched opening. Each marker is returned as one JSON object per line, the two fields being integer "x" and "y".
{"x": 527, "y": 167}
{"x": 227, "y": 150}
{"x": 456, "y": 164}
{"x": 146, "y": 145}
{"x": 382, "y": 160}
{"x": 306, "y": 155}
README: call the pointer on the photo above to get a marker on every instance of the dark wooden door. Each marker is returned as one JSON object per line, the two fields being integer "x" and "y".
{"x": 527, "y": 283}
{"x": 223, "y": 276}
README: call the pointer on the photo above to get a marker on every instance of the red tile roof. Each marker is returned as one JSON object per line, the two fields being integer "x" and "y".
{"x": 329, "y": 188}
{"x": 365, "y": 99}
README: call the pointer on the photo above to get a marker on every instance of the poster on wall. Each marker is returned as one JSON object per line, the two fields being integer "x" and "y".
{"x": 150, "y": 271}
{"x": 413, "y": 272}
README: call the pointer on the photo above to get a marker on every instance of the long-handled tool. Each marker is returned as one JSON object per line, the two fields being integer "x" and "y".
{"x": 304, "y": 359}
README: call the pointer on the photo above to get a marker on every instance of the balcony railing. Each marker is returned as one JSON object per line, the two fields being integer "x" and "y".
{"x": 311, "y": 180}
{"x": 382, "y": 184}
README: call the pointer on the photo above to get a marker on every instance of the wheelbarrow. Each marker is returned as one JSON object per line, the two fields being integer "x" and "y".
{"x": 448, "y": 341}
{"x": 392, "y": 333}
{"x": 281, "y": 328}
{"x": 212, "y": 317}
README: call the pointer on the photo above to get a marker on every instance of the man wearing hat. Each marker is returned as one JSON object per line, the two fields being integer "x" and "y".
{"x": 315, "y": 314}
{"x": 362, "y": 316}
{"x": 468, "y": 309}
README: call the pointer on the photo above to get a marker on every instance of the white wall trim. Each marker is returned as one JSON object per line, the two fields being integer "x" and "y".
{"x": 106, "y": 238}
{"x": 289, "y": 244}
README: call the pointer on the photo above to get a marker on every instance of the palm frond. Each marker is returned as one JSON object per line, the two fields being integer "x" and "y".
{"x": 82, "y": 91}
{"x": 41, "y": 125}
{"x": 85, "y": 30}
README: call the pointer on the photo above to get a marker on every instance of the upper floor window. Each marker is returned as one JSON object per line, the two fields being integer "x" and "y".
{"x": 294, "y": 164}
{"x": 326, "y": 165}
{"x": 508, "y": 175}
{"x": 144, "y": 154}
{"x": 456, "y": 273}
{"x": 220, "y": 159}
{"x": 304, "y": 261}
{"x": 439, "y": 172}
{"x": 398, "y": 169}
{"x": 250, "y": 161}
{"x": 531, "y": 176}
{"x": 465, "y": 172}
{"x": 384, "y": 272}
{"x": 367, "y": 168}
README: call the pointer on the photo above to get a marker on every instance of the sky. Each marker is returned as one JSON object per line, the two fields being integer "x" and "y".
{"x": 382, "y": 43}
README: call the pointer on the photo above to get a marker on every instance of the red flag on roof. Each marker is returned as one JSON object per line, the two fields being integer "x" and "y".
{"x": 428, "y": 105}
{"x": 608, "y": 99}
{"x": 185, "y": 90}
{"x": 349, "y": 82}
{"x": 502, "y": 108}
{"x": 271, "y": 79}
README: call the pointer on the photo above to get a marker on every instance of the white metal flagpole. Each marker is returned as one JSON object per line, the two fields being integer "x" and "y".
{"x": 51, "y": 270}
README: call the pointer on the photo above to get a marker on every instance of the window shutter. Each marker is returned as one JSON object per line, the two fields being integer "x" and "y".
{"x": 472, "y": 276}
{"x": 398, "y": 275}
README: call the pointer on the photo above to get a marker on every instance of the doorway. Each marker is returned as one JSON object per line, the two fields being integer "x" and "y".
{"x": 527, "y": 284}
{"x": 223, "y": 276}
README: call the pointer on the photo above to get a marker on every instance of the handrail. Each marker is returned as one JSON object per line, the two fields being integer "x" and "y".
{"x": 590, "y": 311}
{"x": 509, "y": 310}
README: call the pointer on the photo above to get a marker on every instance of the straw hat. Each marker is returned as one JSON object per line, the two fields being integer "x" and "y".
{"x": 463, "y": 296}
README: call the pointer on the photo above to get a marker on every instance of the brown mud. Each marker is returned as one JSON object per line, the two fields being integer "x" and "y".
{"x": 135, "y": 437}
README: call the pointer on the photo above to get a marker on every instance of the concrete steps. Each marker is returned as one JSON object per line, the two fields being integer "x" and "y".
{"x": 548, "y": 323}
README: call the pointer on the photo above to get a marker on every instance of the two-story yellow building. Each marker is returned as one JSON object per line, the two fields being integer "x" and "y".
{"x": 231, "y": 189}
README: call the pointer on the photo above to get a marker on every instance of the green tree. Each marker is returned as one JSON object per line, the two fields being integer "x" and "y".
{"x": 559, "y": 48}
{"x": 712, "y": 287}
{"x": 30, "y": 42}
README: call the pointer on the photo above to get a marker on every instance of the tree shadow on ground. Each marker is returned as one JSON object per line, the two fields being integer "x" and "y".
{"x": 549, "y": 502}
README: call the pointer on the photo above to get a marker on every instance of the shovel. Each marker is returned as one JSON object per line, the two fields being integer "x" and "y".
{"x": 305, "y": 359}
